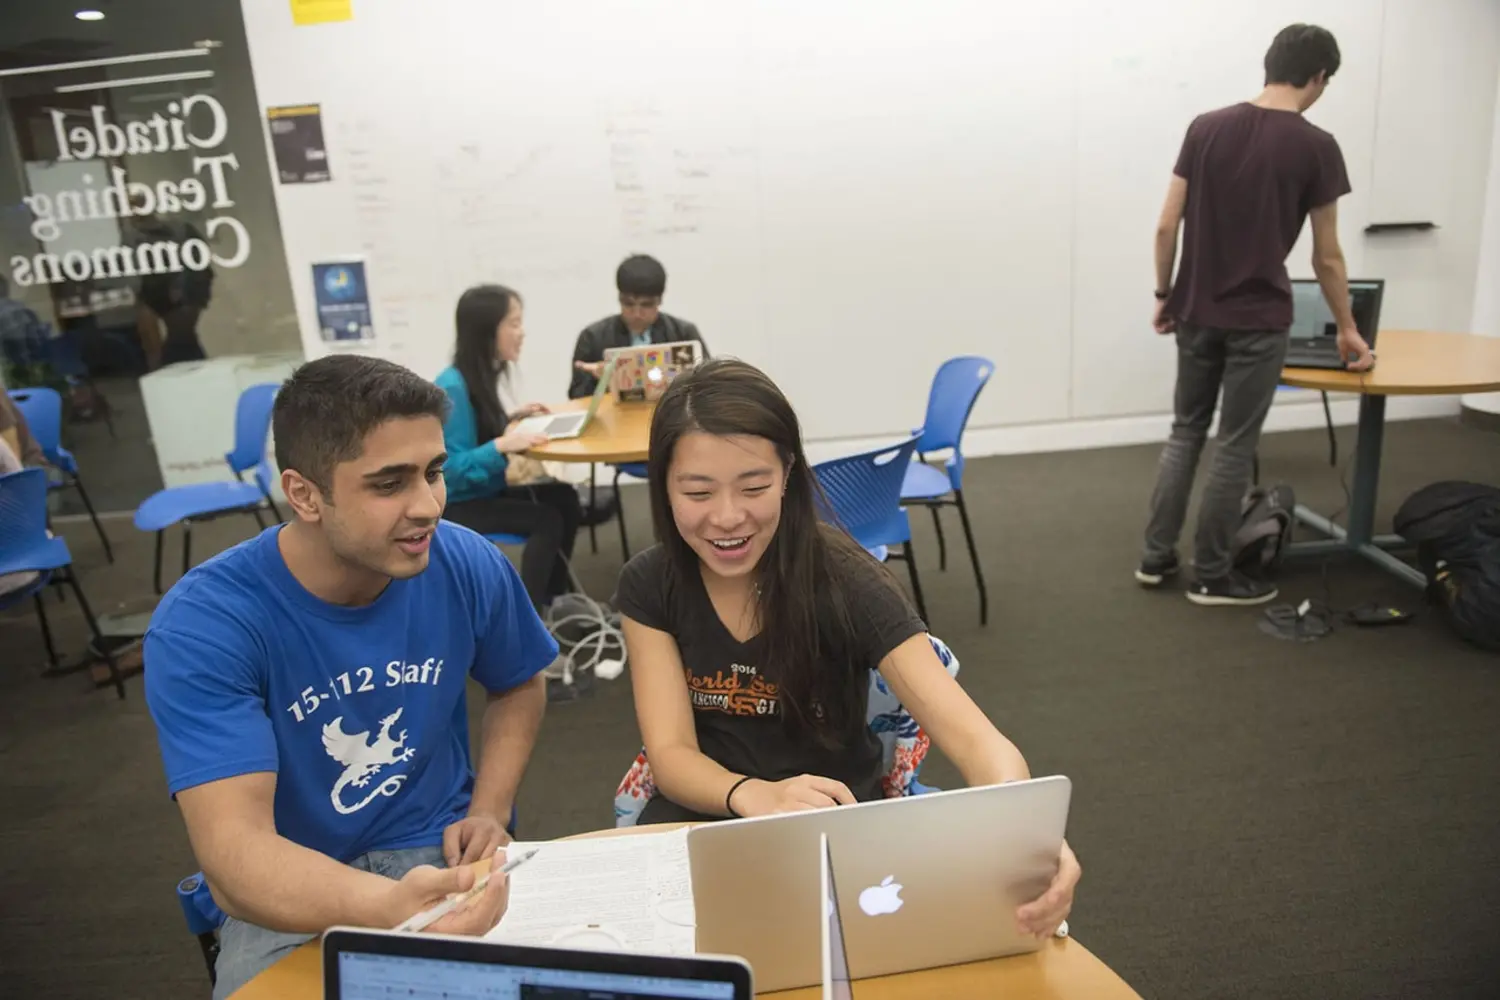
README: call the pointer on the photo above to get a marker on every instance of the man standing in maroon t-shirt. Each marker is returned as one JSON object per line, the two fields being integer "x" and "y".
{"x": 1246, "y": 179}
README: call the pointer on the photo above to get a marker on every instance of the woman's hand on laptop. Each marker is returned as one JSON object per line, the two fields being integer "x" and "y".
{"x": 425, "y": 887}
{"x": 515, "y": 442}
{"x": 529, "y": 410}
{"x": 594, "y": 368}
{"x": 1043, "y": 915}
{"x": 805, "y": 791}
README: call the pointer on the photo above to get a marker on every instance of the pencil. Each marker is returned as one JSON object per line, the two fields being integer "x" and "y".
{"x": 427, "y": 917}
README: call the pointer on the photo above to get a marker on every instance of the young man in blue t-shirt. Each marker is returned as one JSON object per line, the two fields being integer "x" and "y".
{"x": 308, "y": 685}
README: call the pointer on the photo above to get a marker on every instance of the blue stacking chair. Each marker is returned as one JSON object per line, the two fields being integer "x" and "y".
{"x": 954, "y": 390}
{"x": 636, "y": 469}
{"x": 43, "y": 409}
{"x": 863, "y": 494}
{"x": 205, "y": 501}
{"x": 499, "y": 538}
{"x": 639, "y": 471}
{"x": 204, "y": 918}
{"x": 25, "y": 547}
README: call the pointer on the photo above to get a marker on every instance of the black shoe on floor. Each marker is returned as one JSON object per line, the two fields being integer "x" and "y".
{"x": 1234, "y": 590}
{"x": 1153, "y": 572}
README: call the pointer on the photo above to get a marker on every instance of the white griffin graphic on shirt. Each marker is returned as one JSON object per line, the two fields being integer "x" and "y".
{"x": 363, "y": 759}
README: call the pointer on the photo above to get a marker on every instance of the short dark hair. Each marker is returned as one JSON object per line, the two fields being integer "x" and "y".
{"x": 1300, "y": 52}
{"x": 324, "y": 411}
{"x": 643, "y": 276}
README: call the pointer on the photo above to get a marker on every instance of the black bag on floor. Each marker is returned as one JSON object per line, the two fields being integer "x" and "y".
{"x": 1266, "y": 522}
{"x": 1456, "y": 528}
{"x": 602, "y": 510}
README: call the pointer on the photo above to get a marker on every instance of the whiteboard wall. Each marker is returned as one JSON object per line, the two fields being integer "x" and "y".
{"x": 847, "y": 192}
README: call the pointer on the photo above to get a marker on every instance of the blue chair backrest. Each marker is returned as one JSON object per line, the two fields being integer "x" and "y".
{"x": 202, "y": 914}
{"x": 42, "y": 408}
{"x": 23, "y": 510}
{"x": 955, "y": 387}
{"x": 252, "y": 423}
{"x": 865, "y": 490}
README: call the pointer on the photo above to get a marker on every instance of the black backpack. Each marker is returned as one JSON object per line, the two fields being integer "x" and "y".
{"x": 1266, "y": 521}
{"x": 1456, "y": 528}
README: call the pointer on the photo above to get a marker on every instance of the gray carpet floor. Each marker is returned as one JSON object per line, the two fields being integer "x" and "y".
{"x": 1255, "y": 818}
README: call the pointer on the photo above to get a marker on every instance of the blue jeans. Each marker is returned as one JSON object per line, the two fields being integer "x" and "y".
{"x": 246, "y": 950}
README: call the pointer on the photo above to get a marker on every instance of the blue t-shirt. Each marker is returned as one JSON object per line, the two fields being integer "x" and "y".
{"x": 360, "y": 712}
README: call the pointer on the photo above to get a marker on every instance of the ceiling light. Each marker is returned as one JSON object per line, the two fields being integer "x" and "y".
{"x": 89, "y": 15}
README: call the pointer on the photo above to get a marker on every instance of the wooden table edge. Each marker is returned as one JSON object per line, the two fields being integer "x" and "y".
{"x": 571, "y": 450}
{"x": 1327, "y": 380}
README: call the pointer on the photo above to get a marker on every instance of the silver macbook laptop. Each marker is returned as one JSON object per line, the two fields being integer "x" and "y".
{"x": 924, "y": 881}
{"x": 837, "y": 983}
{"x": 380, "y": 965}
{"x": 561, "y": 426}
{"x": 1314, "y": 332}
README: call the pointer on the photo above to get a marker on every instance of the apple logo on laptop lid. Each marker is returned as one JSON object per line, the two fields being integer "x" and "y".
{"x": 879, "y": 900}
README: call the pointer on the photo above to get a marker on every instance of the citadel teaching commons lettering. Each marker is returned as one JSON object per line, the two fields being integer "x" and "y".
{"x": 112, "y": 195}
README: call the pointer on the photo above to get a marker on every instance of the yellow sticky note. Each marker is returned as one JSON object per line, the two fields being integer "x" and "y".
{"x": 306, "y": 12}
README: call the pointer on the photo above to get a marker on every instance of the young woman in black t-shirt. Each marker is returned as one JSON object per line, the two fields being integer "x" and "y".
{"x": 753, "y": 626}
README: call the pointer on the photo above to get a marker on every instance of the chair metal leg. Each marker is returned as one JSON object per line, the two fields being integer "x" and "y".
{"x": 156, "y": 570}
{"x": 88, "y": 616}
{"x": 187, "y": 547}
{"x": 916, "y": 584}
{"x": 41, "y": 616}
{"x": 210, "y": 945}
{"x": 593, "y": 506}
{"x": 109, "y": 553}
{"x": 260, "y": 521}
{"x": 984, "y": 597}
{"x": 620, "y": 516}
{"x": 937, "y": 526}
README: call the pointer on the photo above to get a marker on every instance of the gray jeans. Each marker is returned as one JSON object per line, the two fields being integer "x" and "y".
{"x": 1247, "y": 365}
{"x": 246, "y": 950}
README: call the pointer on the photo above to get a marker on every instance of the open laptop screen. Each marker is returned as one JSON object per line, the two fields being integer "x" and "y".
{"x": 1312, "y": 319}
{"x": 365, "y": 976}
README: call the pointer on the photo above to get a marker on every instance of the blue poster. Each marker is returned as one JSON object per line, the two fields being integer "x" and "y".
{"x": 343, "y": 301}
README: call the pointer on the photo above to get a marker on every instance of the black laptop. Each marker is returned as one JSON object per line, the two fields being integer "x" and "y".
{"x": 1314, "y": 332}
{"x": 382, "y": 965}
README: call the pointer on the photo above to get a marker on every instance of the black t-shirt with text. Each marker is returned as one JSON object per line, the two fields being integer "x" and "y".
{"x": 735, "y": 697}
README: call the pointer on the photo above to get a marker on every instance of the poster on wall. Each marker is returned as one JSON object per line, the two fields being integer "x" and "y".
{"x": 305, "y": 12}
{"x": 343, "y": 301}
{"x": 297, "y": 140}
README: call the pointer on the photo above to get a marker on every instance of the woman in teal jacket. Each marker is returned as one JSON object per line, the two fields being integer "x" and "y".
{"x": 481, "y": 438}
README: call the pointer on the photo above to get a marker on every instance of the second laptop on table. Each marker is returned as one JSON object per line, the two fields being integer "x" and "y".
{"x": 924, "y": 881}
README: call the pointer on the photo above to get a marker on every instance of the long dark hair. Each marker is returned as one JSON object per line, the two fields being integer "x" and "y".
{"x": 807, "y": 635}
{"x": 476, "y": 355}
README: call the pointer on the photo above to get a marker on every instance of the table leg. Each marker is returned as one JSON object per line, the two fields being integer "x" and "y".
{"x": 1366, "y": 469}
{"x": 1360, "y": 536}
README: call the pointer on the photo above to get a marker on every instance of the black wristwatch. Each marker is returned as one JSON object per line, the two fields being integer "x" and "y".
{"x": 1162, "y": 296}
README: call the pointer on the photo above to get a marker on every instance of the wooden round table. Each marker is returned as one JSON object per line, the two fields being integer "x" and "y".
{"x": 1408, "y": 363}
{"x": 618, "y": 433}
{"x": 1062, "y": 970}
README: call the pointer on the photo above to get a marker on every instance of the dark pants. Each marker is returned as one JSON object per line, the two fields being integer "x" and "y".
{"x": 1247, "y": 366}
{"x": 547, "y": 514}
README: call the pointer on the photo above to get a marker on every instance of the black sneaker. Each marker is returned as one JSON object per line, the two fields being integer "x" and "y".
{"x": 1233, "y": 590}
{"x": 1153, "y": 572}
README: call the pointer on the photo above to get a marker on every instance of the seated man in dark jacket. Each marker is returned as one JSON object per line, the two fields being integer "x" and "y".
{"x": 641, "y": 281}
